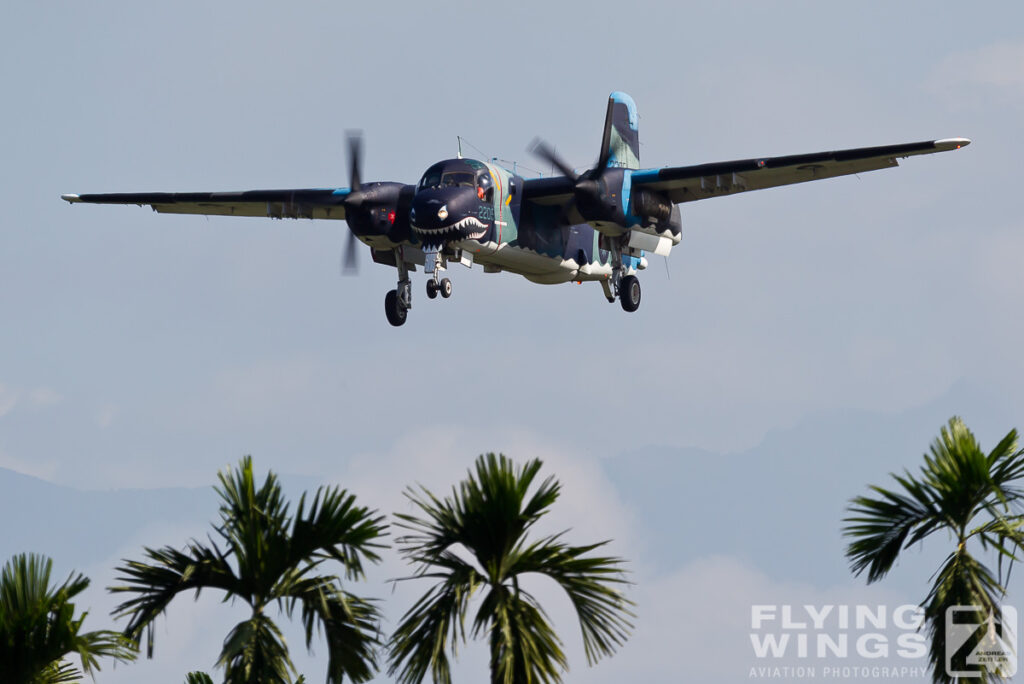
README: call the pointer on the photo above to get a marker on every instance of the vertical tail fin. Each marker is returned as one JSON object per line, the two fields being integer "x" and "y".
{"x": 620, "y": 146}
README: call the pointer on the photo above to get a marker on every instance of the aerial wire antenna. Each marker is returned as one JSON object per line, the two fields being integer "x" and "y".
{"x": 482, "y": 154}
{"x": 667, "y": 271}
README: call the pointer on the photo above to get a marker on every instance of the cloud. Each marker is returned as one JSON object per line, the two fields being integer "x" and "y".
{"x": 189, "y": 636}
{"x": 695, "y": 623}
{"x": 105, "y": 415}
{"x": 44, "y": 396}
{"x": 39, "y": 397}
{"x": 8, "y": 400}
{"x": 992, "y": 72}
{"x": 440, "y": 456}
{"x": 42, "y": 469}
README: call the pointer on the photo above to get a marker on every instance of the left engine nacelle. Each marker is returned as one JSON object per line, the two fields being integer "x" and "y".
{"x": 380, "y": 210}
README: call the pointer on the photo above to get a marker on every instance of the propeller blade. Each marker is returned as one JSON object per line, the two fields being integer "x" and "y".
{"x": 350, "y": 256}
{"x": 606, "y": 140}
{"x": 355, "y": 161}
{"x": 542, "y": 150}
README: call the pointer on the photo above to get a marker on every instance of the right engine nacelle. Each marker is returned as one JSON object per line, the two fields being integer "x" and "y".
{"x": 651, "y": 206}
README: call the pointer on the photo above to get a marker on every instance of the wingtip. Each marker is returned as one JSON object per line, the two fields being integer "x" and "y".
{"x": 71, "y": 198}
{"x": 952, "y": 143}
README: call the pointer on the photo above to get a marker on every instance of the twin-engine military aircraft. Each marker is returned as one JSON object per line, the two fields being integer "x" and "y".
{"x": 589, "y": 226}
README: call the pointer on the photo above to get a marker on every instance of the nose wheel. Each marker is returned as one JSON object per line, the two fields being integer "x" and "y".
{"x": 442, "y": 287}
{"x": 397, "y": 302}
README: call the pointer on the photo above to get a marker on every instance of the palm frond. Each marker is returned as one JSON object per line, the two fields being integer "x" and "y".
{"x": 490, "y": 514}
{"x": 39, "y": 627}
{"x": 525, "y": 648}
{"x": 884, "y": 525}
{"x": 61, "y": 672}
{"x": 335, "y": 527}
{"x": 436, "y": 620}
{"x": 168, "y": 573}
{"x": 254, "y": 651}
{"x": 593, "y": 584}
{"x": 270, "y": 556}
{"x": 487, "y": 513}
{"x": 350, "y": 624}
{"x": 960, "y": 489}
{"x": 254, "y": 524}
{"x": 961, "y": 581}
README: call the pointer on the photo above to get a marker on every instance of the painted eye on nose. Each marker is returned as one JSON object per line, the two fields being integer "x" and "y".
{"x": 442, "y": 213}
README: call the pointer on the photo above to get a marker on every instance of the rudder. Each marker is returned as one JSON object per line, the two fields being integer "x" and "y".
{"x": 620, "y": 146}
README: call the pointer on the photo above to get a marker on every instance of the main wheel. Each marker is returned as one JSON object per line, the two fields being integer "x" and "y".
{"x": 446, "y": 288}
{"x": 629, "y": 293}
{"x": 396, "y": 313}
{"x": 432, "y": 289}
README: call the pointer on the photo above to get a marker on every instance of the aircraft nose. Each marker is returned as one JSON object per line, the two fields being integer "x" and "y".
{"x": 446, "y": 214}
{"x": 440, "y": 207}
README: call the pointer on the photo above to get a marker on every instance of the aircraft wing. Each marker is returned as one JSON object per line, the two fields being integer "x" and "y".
{"x": 690, "y": 183}
{"x": 310, "y": 203}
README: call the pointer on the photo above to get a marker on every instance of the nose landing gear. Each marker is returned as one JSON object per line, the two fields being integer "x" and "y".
{"x": 442, "y": 287}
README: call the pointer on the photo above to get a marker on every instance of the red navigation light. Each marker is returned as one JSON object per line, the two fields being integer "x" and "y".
{"x": 479, "y": 192}
{"x": 391, "y": 217}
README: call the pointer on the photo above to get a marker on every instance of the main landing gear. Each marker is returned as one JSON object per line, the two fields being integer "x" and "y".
{"x": 397, "y": 302}
{"x": 629, "y": 293}
{"x": 395, "y": 310}
{"x": 625, "y": 288}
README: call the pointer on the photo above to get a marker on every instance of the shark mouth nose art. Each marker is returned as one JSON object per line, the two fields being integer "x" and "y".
{"x": 469, "y": 228}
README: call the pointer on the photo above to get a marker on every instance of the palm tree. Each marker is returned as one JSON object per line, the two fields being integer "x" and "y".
{"x": 270, "y": 557}
{"x": 489, "y": 515}
{"x": 38, "y": 626}
{"x": 965, "y": 492}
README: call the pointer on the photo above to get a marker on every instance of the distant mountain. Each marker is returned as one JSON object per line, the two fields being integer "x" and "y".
{"x": 780, "y": 504}
{"x": 79, "y": 528}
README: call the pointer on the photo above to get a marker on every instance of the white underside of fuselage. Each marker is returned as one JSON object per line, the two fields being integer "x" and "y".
{"x": 536, "y": 267}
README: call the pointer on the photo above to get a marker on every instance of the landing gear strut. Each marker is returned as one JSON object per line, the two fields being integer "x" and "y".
{"x": 624, "y": 287}
{"x": 397, "y": 302}
{"x": 434, "y": 265}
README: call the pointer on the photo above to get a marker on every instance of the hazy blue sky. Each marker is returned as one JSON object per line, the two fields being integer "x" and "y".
{"x": 140, "y": 350}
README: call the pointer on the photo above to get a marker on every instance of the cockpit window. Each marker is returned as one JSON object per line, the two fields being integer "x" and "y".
{"x": 454, "y": 173}
{"x": 448, "y": 179}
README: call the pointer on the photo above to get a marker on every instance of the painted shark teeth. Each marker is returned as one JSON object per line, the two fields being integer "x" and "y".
{"x": 463, "y": 229}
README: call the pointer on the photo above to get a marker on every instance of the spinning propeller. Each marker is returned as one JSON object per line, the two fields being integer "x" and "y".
{"x": 588, "y": 188}
{"x": 353, "y": 202}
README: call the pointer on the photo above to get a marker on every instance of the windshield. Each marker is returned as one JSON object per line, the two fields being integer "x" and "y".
{"x": 453, "y": 173}
{"x": 448, "y": 179}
